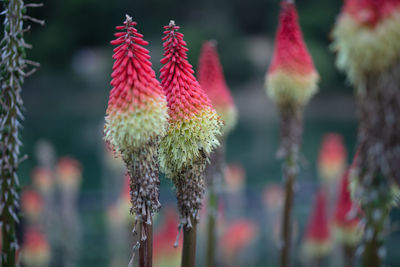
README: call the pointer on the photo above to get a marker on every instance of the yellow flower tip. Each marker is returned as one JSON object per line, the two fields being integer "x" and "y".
{"x": 188, "y": 140}
{"x": 362, "y": 48}
{"x": 349, "y": 235}
{"x": 316, "y": 248}
{"x": 129, "y": 130}
{"x": 284, "y": 87}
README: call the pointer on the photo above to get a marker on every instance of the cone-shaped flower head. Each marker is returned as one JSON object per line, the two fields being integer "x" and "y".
{"x": 212, "y": 81}
{"x": 137, "y": 109}
{"x": 346, "y": 220}
{"x": 35, "y": 249}
{"x": 291, "y": 78}
{"x": 332, "y": 157}
{"x": 317, "y": 240}
{"x": 194, "y": 125}
{"x": 367, "y": 37}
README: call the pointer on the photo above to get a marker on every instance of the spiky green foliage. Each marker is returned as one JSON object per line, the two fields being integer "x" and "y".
{"x": 13, "y": 66}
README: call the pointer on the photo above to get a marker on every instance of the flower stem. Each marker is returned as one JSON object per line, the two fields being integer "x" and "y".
{"x": 189, "y": 245}
{"x": 211, "y": 224}
{"x": 348, "y": 254}
{"x": 287, "y": 212}
{"x": 146, "y": 246}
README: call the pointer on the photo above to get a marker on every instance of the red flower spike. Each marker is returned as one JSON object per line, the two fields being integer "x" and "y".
{"x": 194, "y": 124}
{"x": 317, "y": 241}
{"x": 290, "y": 52}
{"x": 184, "y": 94}
{"x": 332, "y": 157}
{"x": 346, "y": 218}
{"x": 212, "y": 80}
{"x": 291, "y": 77}
{"x": 136, "y": 108}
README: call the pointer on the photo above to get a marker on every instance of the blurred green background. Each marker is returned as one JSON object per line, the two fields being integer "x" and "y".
{"x": 66, "y": 99}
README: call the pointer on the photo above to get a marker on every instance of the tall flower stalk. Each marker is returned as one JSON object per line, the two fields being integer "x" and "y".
{"x": 212, "y": 80}
{"x": 194, "y": 127}
{"x": 291, "y": 81}
{"x": 136, "y": 121}
{"x": 367, "y": 41}
{"x": 13, "y": 68}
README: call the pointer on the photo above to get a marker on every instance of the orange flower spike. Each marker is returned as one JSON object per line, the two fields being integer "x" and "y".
{"x": 32, "y": 204}
{"x": 212, "y": 80}
{"x": 332, "y": 157}
{"x": 36, "y": 248}
{"x": 291, "y": 78}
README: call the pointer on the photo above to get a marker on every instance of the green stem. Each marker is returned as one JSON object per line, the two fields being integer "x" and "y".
{"x": 146, "y": 246}
{"x": 189, "y": 246}
{"x": 211, "y": 238}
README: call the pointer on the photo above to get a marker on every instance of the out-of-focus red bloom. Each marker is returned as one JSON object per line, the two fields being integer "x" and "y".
{"x": 31, "y": 204}
{"x": 291, "y": 76}
{"x": 317, "y": 240}
{"x": 273, "y": 196}
{"x": 238, "y": 235}
{"x": 332, "y": 157}
{"x": 43, "y": 179}
{"x": 69, "y": 173}
{"x": 370, "y": 12}
{"x": 165, "y": 254}
{"x": 35, "y": 248}
{"x": 366, "y": 37}
{"x": 346, "y": 219}
{"x": 212, "y": 80}
{"x": 235, "y": 176}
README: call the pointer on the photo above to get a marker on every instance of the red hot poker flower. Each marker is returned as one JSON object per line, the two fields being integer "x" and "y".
{"x": 346, "y": 220}
{"x": 212, "y": 80}
{"x": 317, "y": 242}
{"x": 137, "y": 108}
{"x": 194, "y": 126}
{"x": 332, "y": 157}
{"x": 291, "y": 77}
